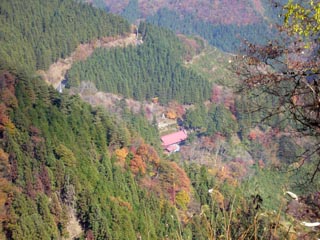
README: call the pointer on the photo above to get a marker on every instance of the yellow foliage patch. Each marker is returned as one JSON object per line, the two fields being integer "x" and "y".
{"x": 121, "y": 154}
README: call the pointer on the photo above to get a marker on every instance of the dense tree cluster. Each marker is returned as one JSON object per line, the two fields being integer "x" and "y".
{"x": 152, "y": 69}
{"x": 131, "y": 11}
{"x": 245, "y": 20}
{"x": 34, "y": 34}
{"x": 61, "y": 157}
{"x": 216, "y": 119}
{"x": 226, "y": 37}
{"x": 57, "y": 147}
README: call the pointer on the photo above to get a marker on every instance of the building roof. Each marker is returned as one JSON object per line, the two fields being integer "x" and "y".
{"x": 173, "y": 148}
{"x": 173, "y": 138}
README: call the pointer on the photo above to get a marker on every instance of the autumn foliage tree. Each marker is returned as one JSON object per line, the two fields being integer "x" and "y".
{"x": 121, "y": 155}
{"x": 137, "y": 165}
{"x": 6, "y": 187}
{"x": 281, "y": 79}
{"x": 148, "y": 154}
{"x": 7, "y": 100}
{"x": 175, "y": 182}
{"x": 141, "y": 158}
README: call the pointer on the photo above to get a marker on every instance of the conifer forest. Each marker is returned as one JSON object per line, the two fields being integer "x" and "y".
{"x": 180, "y": 120}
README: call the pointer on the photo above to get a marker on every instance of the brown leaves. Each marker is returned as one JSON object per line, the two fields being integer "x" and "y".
{"x": 144, "y": 156}
{"x": 172, "y": 174}
{"x": 4, "y": 164}
{"x": 7, "y": 89}
{"x": 5, "y": 122}
{"x": 8, "y": 100}
{"x": 6, "y": 187}
{"x": 282, "y": 84}
{"x": 148, "y": 154}
{"x": 140, "y": 160}
{"x": 7, "y": 81}
{"x": 137, "y": 165}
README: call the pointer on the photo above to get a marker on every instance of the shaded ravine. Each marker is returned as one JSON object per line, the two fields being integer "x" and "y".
{"x": 57, "y": 71}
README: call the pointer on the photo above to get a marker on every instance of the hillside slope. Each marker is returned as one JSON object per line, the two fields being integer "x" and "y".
{"x": 57, "y": 71}
{"x": 59, "y": 157}
{"x": 217, "y": 12}
{"x": 33, "y": 34}
{"x": 152, "y": 69}
{"x": 223, "y": 23}
{"x": 70, "y": 169}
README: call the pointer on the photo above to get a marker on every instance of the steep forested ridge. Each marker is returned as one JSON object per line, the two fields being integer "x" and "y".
{"x": 227, "y": 37}
{"x": 60, "y": 156}
{"x": 62, "y": 159}
{"x": 152, "y": 69}
{"x": 223, "y": 23}
{"x": 56, "y": 158}
{"x": 218, "y": 11}
{"x": 33, "y": 33}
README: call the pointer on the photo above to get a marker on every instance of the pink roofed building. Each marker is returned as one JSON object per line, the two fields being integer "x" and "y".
{"x": 171, "y": 141}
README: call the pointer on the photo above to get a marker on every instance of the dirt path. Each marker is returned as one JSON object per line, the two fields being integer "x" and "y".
{"x": 57, "y": 71}
{"x": 74, "y": 228}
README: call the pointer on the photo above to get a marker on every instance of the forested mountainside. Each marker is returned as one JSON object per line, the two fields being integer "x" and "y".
{"x": 60, "y": 157}
{"x": 36, "y": 33}
{"x": 212, "y": 11}
{"x": 224, "y": 23}
{"x": 73, "y": 171}
{"x": 152, "y": 69}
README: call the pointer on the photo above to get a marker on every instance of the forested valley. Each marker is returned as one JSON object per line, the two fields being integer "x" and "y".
{"x": 71, "y": 169}
{"x": 224, "y": 24}
{"x": 152, "y": 69}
